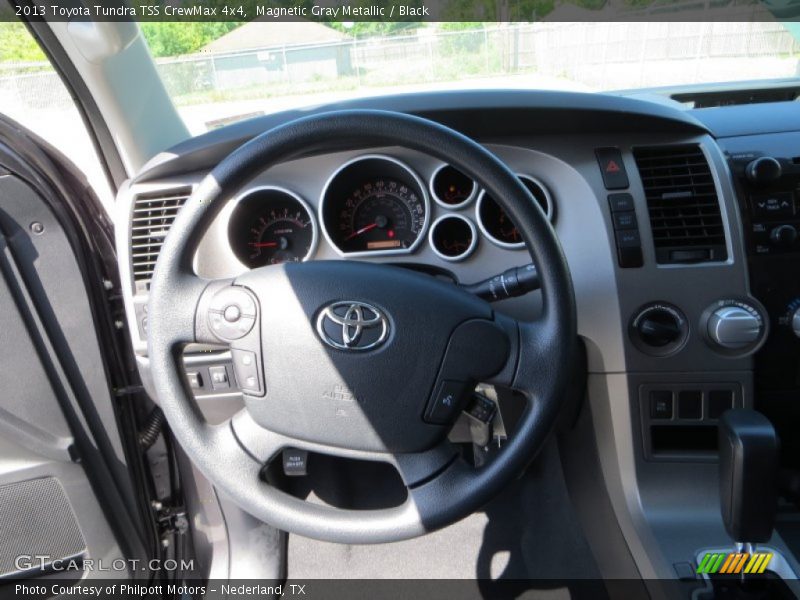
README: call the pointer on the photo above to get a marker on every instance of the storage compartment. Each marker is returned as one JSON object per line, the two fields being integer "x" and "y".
{"x": 690, "y": 440}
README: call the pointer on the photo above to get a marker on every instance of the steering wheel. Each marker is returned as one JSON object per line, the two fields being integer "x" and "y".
{"x": 357, "y": 360}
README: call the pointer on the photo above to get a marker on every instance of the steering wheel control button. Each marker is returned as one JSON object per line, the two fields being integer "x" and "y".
{"x": 245, "y": 364}
{"x": 194, "y": 379}
{"x": 219, "y": 378}
{"x": 481, "y": 408}
{"x": 446, "y": 402}
{"x": 232, "y": 313}
{"x": 295, "y": 462}
{"x": 659, "y": 329}
{"x": 612, "y": 168}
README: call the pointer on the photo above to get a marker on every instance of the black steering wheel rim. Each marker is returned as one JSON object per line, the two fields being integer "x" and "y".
{"x": 441, "y": 490}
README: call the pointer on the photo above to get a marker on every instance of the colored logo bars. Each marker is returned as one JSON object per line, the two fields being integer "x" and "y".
{"x": 735, "y": 562}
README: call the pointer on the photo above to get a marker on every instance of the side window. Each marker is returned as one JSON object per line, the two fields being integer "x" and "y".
{"x": 32, "y": 93}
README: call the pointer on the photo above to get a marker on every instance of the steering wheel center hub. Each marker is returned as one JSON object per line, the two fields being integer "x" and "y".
{"x": 372, "y": 339}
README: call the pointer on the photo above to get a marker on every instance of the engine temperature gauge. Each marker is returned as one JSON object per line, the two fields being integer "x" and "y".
{"x": 270, "y": 226}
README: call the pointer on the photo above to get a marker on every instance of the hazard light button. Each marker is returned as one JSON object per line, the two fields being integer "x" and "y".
{"x": 612, "y": 168}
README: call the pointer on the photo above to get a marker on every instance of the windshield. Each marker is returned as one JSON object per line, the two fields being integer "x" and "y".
{"x": 218, "y": 73}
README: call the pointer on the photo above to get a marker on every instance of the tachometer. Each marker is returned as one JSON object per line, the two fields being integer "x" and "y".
{"x": 271, "y": 226}
{"x": 372, "y": 205}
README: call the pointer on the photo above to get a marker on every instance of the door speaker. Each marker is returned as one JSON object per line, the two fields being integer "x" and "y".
{"x": 36, "y": 519}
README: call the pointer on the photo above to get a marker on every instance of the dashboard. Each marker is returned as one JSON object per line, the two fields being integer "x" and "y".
{"x": 681, "y": 230}
{"x": 675, "y": 245}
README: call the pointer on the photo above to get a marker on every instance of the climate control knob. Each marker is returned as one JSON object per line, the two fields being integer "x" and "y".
{"x": 735, "y": 327}
{"x": 795, "y": 322}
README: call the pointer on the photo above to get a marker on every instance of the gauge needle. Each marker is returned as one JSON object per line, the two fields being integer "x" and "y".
{"x": 362, "y": 230}
{"x": 263, "y": 244}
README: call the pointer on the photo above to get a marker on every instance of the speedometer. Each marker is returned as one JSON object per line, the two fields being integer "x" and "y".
{"x": 382, "y": 214}
{"x": 372, "y": 205}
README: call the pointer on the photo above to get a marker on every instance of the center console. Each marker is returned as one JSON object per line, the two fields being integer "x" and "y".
{"x": 767, "y": 171}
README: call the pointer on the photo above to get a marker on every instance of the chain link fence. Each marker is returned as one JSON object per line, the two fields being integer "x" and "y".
{"x": 211, "y": 89}
{"x": 596, "y": 55}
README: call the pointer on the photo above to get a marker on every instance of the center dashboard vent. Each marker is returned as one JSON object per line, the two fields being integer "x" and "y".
{"x": 152, "y": 217}
{"x": 682, "y": 200}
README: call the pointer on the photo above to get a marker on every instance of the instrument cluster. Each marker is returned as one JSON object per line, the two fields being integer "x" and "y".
{"x": 376, "y": 205}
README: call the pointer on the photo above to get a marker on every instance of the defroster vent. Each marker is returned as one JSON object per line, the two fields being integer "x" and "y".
{"x": 682, "y": 200}
{"x": 153, "y": 215}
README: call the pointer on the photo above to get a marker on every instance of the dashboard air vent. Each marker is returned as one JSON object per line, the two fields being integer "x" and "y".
{"x": 153, "y": 214}
{"x": 682, "y": 201}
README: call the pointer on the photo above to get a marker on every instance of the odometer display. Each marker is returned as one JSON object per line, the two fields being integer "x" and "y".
{"x": 372, "y": 205}
{"x": 271, "y": 226}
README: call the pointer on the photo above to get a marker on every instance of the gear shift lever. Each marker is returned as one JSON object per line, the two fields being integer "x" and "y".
{"x": 748, "y": 466}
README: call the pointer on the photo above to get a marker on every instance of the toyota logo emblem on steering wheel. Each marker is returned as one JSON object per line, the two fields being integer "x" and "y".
{"x": 352, "y": 325}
